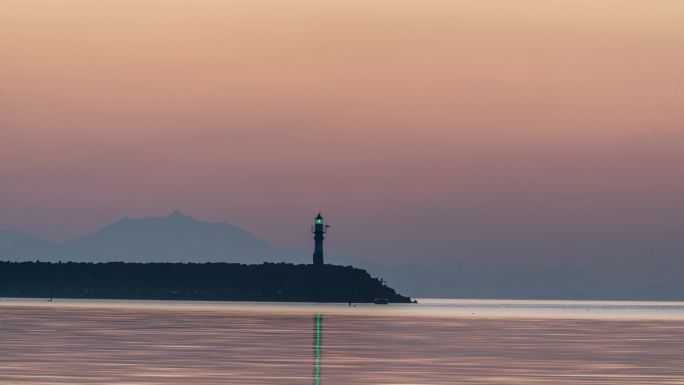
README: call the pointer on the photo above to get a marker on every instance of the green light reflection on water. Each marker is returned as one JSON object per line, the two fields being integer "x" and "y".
{"x": 317, "y": 367}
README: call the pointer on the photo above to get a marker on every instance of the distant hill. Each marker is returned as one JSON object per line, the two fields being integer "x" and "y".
{"x": 17, "y": 244}
{"x": 173, "y": 238}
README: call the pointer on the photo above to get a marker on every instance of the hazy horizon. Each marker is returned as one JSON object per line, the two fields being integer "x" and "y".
{"x": 508, "y": 132}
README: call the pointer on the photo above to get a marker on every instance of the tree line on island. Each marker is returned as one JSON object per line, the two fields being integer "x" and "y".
{"x": 193, "y": 281}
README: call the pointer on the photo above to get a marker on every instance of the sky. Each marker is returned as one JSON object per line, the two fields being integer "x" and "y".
{"x": 531, "y": 131}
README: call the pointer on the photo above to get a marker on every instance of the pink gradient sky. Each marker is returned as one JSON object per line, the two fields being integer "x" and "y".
{"x": 425, "y": 131}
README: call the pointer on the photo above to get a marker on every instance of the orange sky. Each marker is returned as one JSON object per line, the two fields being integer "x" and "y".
{"x": 422, "y": 129}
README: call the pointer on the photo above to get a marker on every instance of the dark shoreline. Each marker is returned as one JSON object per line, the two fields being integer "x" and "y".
{"x": 273, "y": 282}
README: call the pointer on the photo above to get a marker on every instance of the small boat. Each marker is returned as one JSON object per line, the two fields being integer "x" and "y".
{"x": 381, "y": 301}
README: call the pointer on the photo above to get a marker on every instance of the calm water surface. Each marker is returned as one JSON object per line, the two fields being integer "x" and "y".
{"x": 435, "y": 342}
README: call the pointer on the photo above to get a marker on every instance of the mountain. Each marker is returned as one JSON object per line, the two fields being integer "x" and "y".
{"x": 173, "y": 238}
{"x": 18, "y": 245}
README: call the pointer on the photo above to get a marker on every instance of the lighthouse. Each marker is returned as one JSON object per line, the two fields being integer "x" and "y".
{"x": 318, "y": 229}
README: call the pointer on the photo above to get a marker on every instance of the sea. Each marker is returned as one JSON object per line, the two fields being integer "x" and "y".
{"x": 436, "y": 341}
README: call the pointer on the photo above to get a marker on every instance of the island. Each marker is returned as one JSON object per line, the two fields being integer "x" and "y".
{"x": 282, "y": 282}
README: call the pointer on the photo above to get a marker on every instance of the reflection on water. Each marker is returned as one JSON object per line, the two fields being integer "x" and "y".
{"x": 318, "y": 320}
{"x": 114, "y": 343}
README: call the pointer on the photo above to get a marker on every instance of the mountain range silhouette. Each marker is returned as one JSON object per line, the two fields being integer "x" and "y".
{"x": 176, "y": 237}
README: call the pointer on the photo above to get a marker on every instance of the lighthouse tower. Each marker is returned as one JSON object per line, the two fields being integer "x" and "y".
{"x": 318, "y": 229}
